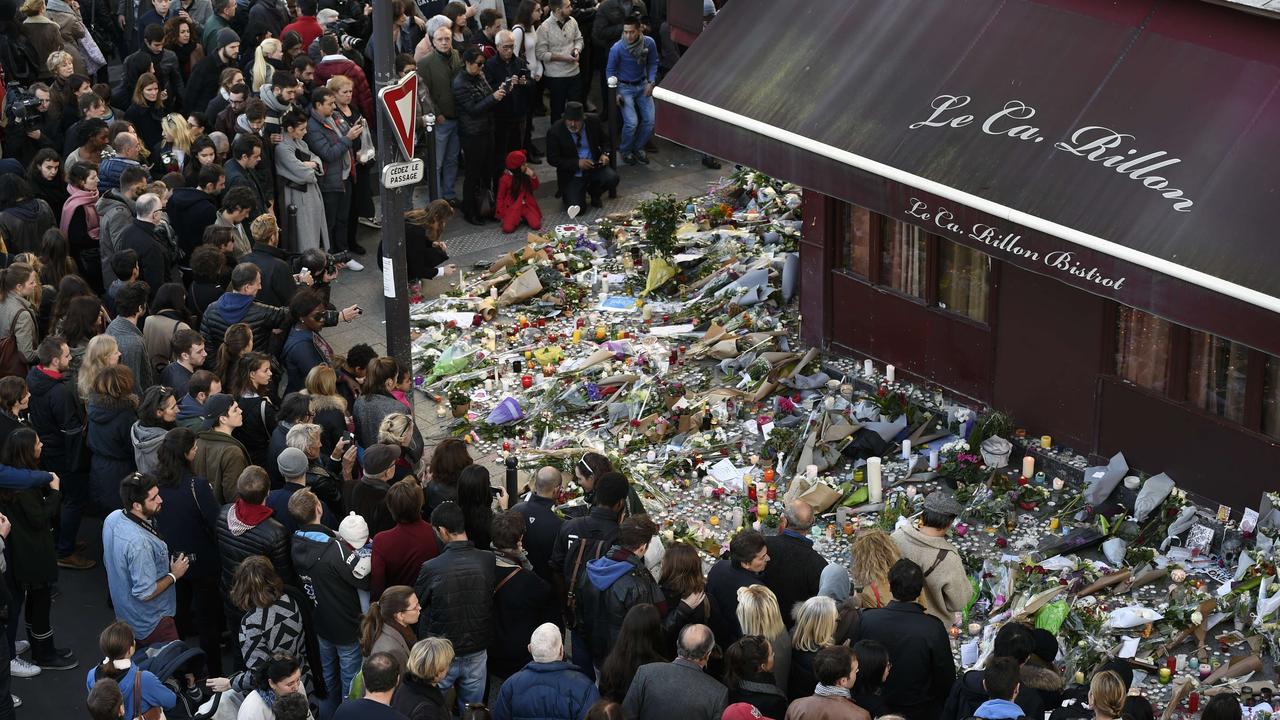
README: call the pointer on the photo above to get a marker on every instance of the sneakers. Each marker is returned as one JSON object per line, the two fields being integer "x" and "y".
{"x": 23, "y": 669}
{"x": 76, "y": 561}
{"x": 355, "y": 265}
{"x": 20, "y": 647}
{"x": 370, "y": 222}
{"x": 641, "y": 157}
{"x": 17, "y": 701}
{"x": 62, "y": 660}
{"x": 629, "y": 158}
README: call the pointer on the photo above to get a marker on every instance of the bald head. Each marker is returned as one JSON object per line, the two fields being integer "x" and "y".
{"x": 545, "y": 644}
{"x": 547, "y": 482}
{"x": 126, "y": 145}
{"x": 695, "y": 643}
{"x": 799, "y": 516}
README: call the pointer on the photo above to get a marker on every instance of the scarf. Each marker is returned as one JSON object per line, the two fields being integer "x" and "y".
{"x": 639, "y": 50}
{"x": 244, "y": 517}
{"x": 831, "y": 691}
{"x": 78, "y": 198}
{"x": 323, "y": 347}
{"x": 268, "y": 698}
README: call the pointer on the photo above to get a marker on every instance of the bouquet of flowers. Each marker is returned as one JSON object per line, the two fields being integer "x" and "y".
{"x": 958, "y": 463}
{"x": 890, "y": 402}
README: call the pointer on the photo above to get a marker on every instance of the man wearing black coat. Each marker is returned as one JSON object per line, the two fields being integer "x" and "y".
{"x": 919, "y": 648}
{"x": 795, "y": 568}
{"x": 578, "y": 146}
{"x": 541, "y": 523}
{"x": 748, "y": 557}
{"x": 202, "y": 85}
{"x": 456, "y": 590}
{"x": 191, "y": 210}
{"x": 238, "y": 305}
{"x": 246, "y": 153}
{"x": 278, "y": 282}
{"x": 154, "y": 263}
{"x": 246, "y": 528}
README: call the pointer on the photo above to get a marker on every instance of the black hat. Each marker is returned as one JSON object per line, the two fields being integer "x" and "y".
{"x": 573, "y": 111}
{"x": 379, "y": 458}
{"x": 215, "y": 407}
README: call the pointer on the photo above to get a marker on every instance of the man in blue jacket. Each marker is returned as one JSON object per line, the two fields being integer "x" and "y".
{"x": 548, "y": 687}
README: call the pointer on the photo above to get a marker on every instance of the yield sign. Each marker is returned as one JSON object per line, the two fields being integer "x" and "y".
{"x": 401, "y": 103}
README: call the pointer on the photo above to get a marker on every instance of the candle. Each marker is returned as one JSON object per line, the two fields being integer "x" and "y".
{"x": 601, "y": 332}
{"x": 1028, "y": 466}
{"x": 1054, "y": 523}
{"x": 577, "y": 336}
{"x": 1046, "y": 441}
{"x": 888, "y": 373}
{"x": 526, "y": 381}
{"x": 933, "y": 460}
{"x": 1193, "y": 702}
{"x": 811, "y": 472}
{"x": 867, "y": 368}
{"x": 762, "y": 510}
{"x": 911, "y": 491}
{"x": 715, "y": 521}
{"x": 493, "y": 293}
{"x": 1058, "y": 483}
{"x": 875, "y": 493}
{"x": 440, "y": 411}
{"x": 1165, "y": 675}
{"x": 906, "y": 451}
{"x": 768, "y": 475}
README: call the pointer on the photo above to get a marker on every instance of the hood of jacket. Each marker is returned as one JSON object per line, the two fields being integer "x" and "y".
{"x": 999, "y": 710}
{"x": 147, "y": 439}
{"x": 189, "y": 408}
{"x": 233, "y": 306}
{"x": 325, "y": 402}
{"x": 28, "y": 211}
{"x": 309, "y": 546}
{"x": 184, "y": 199}
{"x": 604, "y": 572}
{"x": 114, "y": 197}
{"x": 104, "y": 409}
{"x": 40, "y": 384}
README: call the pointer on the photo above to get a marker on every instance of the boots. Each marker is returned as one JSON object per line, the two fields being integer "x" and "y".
{"x": 49, "y": 657}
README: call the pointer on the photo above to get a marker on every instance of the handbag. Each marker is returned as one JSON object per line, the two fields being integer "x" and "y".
{"x": 93, "y": 58}
{"x": 155, "y": 713}
{"x": 12, "y": 362}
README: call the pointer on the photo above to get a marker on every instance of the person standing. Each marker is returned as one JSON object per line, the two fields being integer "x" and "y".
{"x": 300, "y": 170}
{"x": 836, "y": 669}
{"x": 609, "y": 26}
{"x": 748, "y": 557}
{"x": 558, "y": 48}
{"x": 795, "y": 568}
{"x": 131, "y": 305}
{"x": 18, "y": 283}
{"x": 475, "y": 100}
{"x": 634, "y": 61}
{"x": 112, "y": 410}
{"x": 542, "y": 524}
{"x": 140, "y": 574}
{"x": 381, "y": 675}
{"x": 399, "y": 553}
{"x": 220, "y": 458}
{"x": 333, "y": 140}
{"x": 679, "y": 689}
{"x": 946, "y": 584}
{"x": 510, "y": 113}
{"x": 521, "y": 599}
{"x": 437, "y": 71}
{"x": 548, "y": 687}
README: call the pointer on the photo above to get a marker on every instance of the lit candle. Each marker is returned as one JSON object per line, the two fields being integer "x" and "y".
{"x": 762, "y": 510}
{"x": 440, "y": 412}
{"x": 875, "y": 493}
{"x": 577, "y": 336}
{"x": 906, "y": 451}
{"x": 811, "y": 472}
{"x": 933, "y": 459}
{"x": 1028, "y": 466}
{"x": 1058, "y": 483}
{"x": 888, "y": 373}
{"x": 911, "y": 491}
{"x": 868, "y": 368}
{"x": 1046, "y": 441}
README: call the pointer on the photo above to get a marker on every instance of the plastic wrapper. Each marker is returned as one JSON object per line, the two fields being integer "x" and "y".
{"x": 1052, "y": 616}
{"x": 508, "y": 410}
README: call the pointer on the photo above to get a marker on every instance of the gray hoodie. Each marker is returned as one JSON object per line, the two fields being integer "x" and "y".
{"x": 146, "y": 445}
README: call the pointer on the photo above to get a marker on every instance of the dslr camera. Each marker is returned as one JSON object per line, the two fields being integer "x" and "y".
{"x": 342, "y": 28}
{"x": 22, "y": 108}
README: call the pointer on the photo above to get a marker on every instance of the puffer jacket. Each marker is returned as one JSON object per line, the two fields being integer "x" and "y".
{"x": 456, "y": 592}
{"x": 238, "y": 541}
{"x": 146, "y": 444}
{"x": 475, "y": 101}
{"x": 234, "y": 308}
{"x": 110, "y": 422}
{"x": 545, "y": 690}
{"x": 327, "y": 573}
{"x": 610, "y": 587}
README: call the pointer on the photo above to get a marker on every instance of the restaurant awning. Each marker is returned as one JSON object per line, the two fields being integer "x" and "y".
{"x": 1130, "y": 148}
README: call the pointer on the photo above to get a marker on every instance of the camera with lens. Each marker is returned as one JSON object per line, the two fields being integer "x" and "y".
{"x": 22, "y": 108}
{"x": 342, "y": 28}
{"x": 333, "y": 260}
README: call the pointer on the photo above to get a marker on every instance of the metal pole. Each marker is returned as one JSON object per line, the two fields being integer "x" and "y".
{"x": 611, "y": 107}
{"x": 433, "y": 179}
{"x": 512, "y": 478}
{"x": 395, "y": 288}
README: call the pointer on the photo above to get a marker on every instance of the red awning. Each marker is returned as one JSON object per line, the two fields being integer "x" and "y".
{"x": 1129, "y": 148}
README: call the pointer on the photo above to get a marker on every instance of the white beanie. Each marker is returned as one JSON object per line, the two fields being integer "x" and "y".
{"x": 354, "y": 530}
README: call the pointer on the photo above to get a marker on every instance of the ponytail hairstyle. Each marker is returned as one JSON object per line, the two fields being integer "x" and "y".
{"x": 115, "y": 641}
{"x": 744, "y": 659}
{"x": 379, "y": 371}
{"x": 236, "y": 340}
{"x": 263, "y": 70}
{"x": 395, "y": 599}
{"x": 13, "y": 276}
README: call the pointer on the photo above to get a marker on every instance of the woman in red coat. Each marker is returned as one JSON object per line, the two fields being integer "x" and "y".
{"x": 515, "y": 195}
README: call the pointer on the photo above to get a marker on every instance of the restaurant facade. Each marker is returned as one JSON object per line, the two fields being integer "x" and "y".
{"x": 1064, "y": 209}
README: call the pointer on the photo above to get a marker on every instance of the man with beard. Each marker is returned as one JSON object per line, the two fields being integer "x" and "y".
{"x": 279, "y": 97}
{"x": 140, "y": 574}
{"x": 246, "y": 154}
{"x": 202, "y": 86}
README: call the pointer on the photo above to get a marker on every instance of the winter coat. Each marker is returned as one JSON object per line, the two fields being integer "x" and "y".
{"x": 255, "y": 431}
{"x": 680, "y": 689}
{"x": 920, "y": 651}
{"x": 190, "y": 413}
{"x": 45, "y": 37}
{"x": 946, "y": 585}
{"x": 793, "y": 571}
{"x": 369, "y": 411}
{"x": 157, "y": 339}
{"x": 723, "y": 581}
{"x": 146, "y": 440}
{"x": 300, "y": 356}
{"x": 202, "y": 84}
{"x": 328, "y": 140}
{"x": 115, "y": 214}
{"x": 238, "y": 176}
{"x": 519, "y": 607}
{"x": 606, "y": 28}
{"x": 334, "y": 65}
{"x": 327, "y": 572}
{"x": 330, "y": 414}
{"x": 507, "y": 205}
{"x": 220, "y": 458}
{"x": 16, "y": 312}
{"x": 418, "y": 699}
{"x": 110, "y": 424}
{"x": 238, "y": 540}
{"x": 280, "y": 627}
{"x": 265, "y": 16}
{"x": 802, "y": 680}
{"x": 278, "y": 285}
{"x": 33, "y": 562}
{"x": 610, "y": 587}
{"x": 762, "y": 693}
{"x": 545, "y": 691}
{"x": 189, "y": 523}
{"x": 816, "y": 707}
{"x": 54, "y": 413}
{"x": 392, "y": 642}
{"x": 474, "y": 98}
{"x": 153, "y": 260}
{"x": 310, "y": 231}
{"x": 234, "y": 308}
{"x": 24, "y": 224}
{"x": 1044, "y": 680}
{"x": 191, "y": 210}
{"x": 367, "y": 497}
{"x": 437, "y": 72}
{"x": 541, "y": 526}
{"x": 599, "y": 529}
{"x": 968, "y": 693}
{"x": 455, "y": 589}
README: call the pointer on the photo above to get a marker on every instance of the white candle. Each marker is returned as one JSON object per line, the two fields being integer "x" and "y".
{"x": 933, "y": 459}
{"x": 1058, "y": 483}
{"x": 906, "y": 451}
{"x": 493, "y": 292}
{"x": 811, "y": 472}
{"x": 867, "y": 368}
{"x": 875, "y": 493}
{"x": 888, "y": 373}
{"x": 1028, "y": 466}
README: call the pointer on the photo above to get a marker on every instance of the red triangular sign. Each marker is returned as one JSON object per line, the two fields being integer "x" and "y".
{"x": 400, "y": 101}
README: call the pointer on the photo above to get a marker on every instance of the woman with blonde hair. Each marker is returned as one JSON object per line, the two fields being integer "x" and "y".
{"x": 872, "y": 553}
{"x": 265, "y": 230}
{"x": 418, "y": 696}
{"x": 815, "y": 629}
{"x": 1106, "y": 695}
{"x": 147, "y": 110}
{"x": 758, "y": 614}
{"x": 425, "y": 251}
{"x": 327, "y": 405}
{"x": 174, "y": 151}
{"x": 397, "y": 429}
{"x": 388, "y": 625}
{"x": 263, "y": 67}
{"x": 101, "y": 352}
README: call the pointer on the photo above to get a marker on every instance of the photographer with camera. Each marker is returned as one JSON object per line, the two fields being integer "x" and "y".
{"x": 507, "y": 68}
{"x": 27, "y": 112}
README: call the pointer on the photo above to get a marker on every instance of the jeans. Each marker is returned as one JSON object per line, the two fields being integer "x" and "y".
{"x": 562, "y": 90}
{"x": 341, "y": 663}
{"x": 469, "y": 673}
{"x": 75, "y": 495}
{"x": 637, "y": 117}
{"x": 447, "y": 157}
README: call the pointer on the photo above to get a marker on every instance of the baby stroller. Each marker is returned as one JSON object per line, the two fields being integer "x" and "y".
{"x": 177, "y": 665}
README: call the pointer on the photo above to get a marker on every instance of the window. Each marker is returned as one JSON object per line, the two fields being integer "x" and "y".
{"x": 903, "y": 264}
{"x": 1142, "y": 349}
{"x": 1271, "y": 398}
{"x": 854, "y": 228}
{"x": 1217, "y": 379}
{"x": 962, "y": 280}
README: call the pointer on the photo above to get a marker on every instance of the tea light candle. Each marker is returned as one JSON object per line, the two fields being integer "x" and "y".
{"x": 868, "y": 368}
{"x": 1028, "y": 466}
{"x": 934, "y": 459}
{"x": 888, "y": 373}
{"x": 811, "y": 472}
{"x": 875, "y": 493}
{"x": 911, "y": 491}
{"x": 1046, "y": 441}
{"x": 1059, "y": 483}
{"x": 440, "y": 411}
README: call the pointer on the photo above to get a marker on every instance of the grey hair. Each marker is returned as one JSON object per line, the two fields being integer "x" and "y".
{"x": 547, "y": 479}
{"x": 301, "y": 435}
{"x": 220, "y": 142}
{"x": 799, "y": 515}
{"x": 696, "y": 642}
{"x": 147, "y": 204}
{"x": 436, "y": 22}
{"x": 545, "y": 644}
{"x": 504, "y": 35}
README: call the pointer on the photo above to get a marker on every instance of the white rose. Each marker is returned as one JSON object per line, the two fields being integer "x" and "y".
{"x": 1197, "y": 617}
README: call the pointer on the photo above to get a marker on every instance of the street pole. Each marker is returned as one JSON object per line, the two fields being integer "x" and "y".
{"x": 610, "y": 106}
{"x": 433, "y": 178}
{"x": 395, "y": 282}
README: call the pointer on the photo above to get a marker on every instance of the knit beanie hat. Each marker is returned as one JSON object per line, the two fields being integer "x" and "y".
{"x": 354, "y": 530}
{"x": 515, "y": 159}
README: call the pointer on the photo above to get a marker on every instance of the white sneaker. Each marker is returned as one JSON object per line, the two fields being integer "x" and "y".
{"x": 23, "y": 669}
{"x": 17, "y": 701}
{"x": 20, "y": 647}
{"x": 355, "y": 265}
